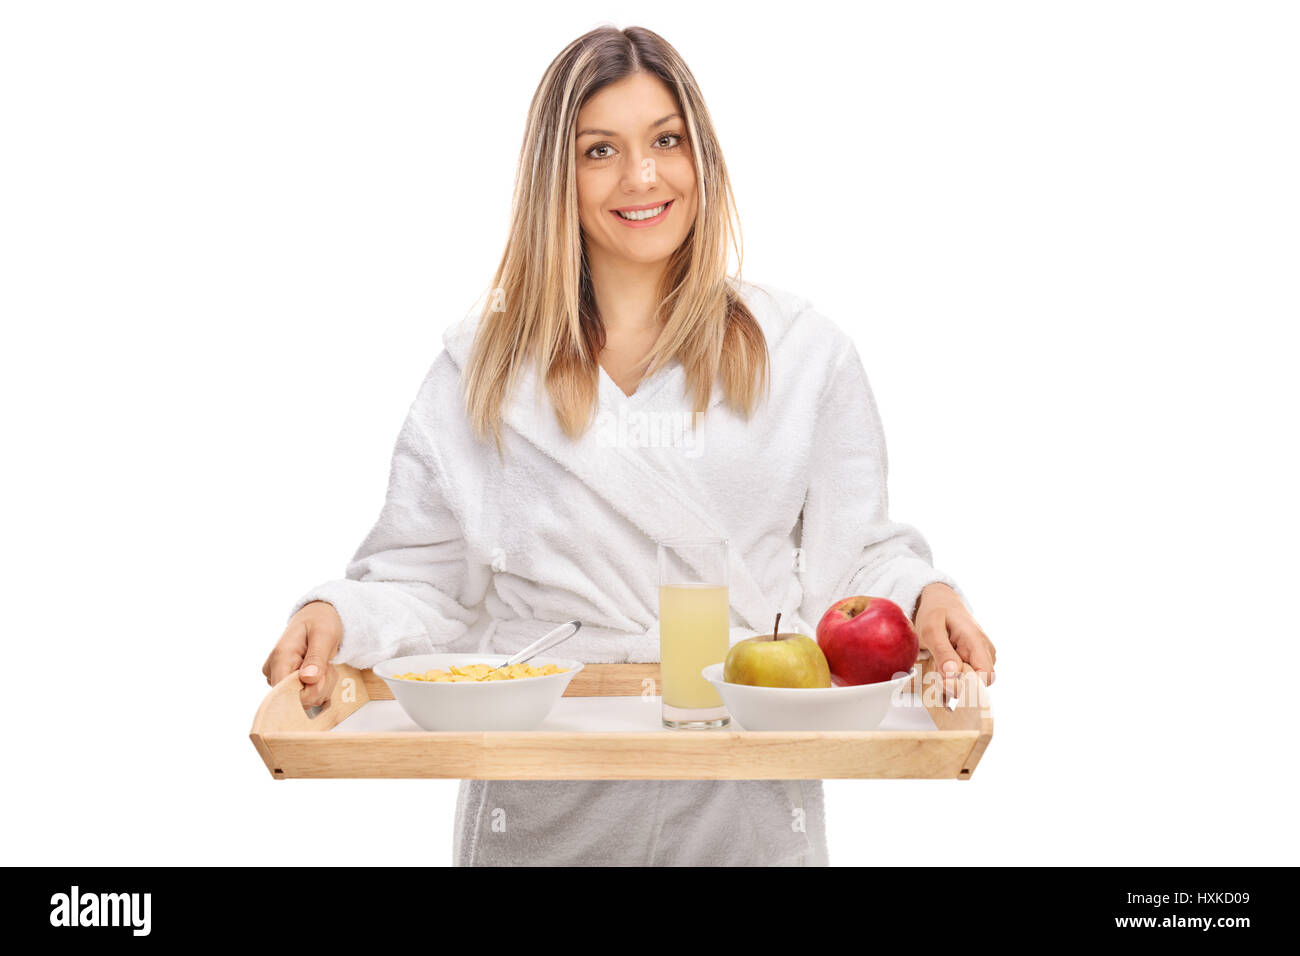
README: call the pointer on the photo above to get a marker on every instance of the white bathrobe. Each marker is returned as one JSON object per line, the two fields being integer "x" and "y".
{"x": 568, "y": 529}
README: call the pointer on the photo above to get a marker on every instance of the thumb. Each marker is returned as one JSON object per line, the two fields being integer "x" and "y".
{"x": 947, "y": 662}
{"x": 320, "y": 648}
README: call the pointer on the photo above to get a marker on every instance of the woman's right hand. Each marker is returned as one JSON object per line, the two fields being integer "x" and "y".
{"x": 306, "y": 646}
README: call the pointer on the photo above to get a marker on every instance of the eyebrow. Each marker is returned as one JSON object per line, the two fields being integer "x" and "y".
{"x": 607, "y": 132}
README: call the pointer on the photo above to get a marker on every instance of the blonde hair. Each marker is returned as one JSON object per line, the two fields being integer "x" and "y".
{"x": 541, "y": 305}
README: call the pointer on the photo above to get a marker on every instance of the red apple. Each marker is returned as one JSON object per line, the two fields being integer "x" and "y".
{"x": 867, "y": 640}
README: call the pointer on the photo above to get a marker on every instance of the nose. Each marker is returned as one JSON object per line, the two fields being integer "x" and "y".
{"x": 638, "y": 172}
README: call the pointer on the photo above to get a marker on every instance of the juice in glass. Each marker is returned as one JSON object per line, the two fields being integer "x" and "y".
{"x": 693, "y": 633}
{"x": 694, "y": 629}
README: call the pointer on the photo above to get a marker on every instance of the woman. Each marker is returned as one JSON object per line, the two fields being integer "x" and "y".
{"x": 605, "y": 331}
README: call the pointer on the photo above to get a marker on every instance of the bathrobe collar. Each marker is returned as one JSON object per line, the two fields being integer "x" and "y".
{"x": 651, "y": 487}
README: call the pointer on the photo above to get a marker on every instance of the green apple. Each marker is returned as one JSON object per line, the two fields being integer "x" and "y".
{"x": 777, "y": 660}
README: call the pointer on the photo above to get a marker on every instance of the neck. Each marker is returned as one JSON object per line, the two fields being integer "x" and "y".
{"x": 626, "y": 293}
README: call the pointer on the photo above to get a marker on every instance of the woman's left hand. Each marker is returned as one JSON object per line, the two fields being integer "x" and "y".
{"x": 945, "y": 627}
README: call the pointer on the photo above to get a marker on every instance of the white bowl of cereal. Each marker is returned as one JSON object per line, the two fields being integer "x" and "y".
{"x": 465, "y": 692}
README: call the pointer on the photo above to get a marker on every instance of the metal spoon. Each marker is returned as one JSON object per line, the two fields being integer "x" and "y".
{"x": 543, "y": 643}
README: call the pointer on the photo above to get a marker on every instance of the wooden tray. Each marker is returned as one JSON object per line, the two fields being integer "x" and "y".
{"x": 294, "y": 744}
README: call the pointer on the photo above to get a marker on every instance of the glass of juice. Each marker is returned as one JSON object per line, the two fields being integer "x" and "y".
{"x": 694, "y": 629}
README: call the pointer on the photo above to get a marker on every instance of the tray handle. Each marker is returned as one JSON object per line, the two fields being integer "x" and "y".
{"x": 282, "y": 708}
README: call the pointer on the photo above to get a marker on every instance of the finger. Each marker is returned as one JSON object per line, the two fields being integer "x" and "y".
{"x": 286, "y": 656}
{"x": 282, "y": 662}
{"x": 989, "y": 649}
{"x": 991, "y": 652}
{"x": 934, "y": 635}
{"x": 970, "y": 682}
{"x": 321, "y": 645}
{"x": 974, "y": 648}
{"x": 318, "y": 693}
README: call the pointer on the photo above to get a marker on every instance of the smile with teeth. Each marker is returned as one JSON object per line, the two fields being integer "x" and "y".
{"x": 643, "y": 213}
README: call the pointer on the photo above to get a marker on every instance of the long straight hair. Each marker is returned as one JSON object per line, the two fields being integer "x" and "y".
{"x": 541, "y": 306}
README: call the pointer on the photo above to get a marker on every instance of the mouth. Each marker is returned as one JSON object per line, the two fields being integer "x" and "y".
{"x": 643, "y": 215}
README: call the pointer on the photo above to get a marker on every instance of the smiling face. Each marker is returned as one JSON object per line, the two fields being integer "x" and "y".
{"x": 632, "y": 155}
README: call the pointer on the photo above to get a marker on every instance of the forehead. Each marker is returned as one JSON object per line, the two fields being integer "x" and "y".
{"x": 632, "y": 105}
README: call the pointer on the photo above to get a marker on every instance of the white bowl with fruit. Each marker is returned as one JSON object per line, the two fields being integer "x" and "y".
{"x": 862, "y": 662}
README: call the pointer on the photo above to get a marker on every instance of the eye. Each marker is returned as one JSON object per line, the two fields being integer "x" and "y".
{"x": 676, "y": 137}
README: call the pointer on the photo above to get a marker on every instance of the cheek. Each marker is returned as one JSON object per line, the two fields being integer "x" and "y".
{"x": 588, "y": 199}
{"x": 592, "y": 189}
{"x": 685, "y": 162}
{"x": 681, "y": 177}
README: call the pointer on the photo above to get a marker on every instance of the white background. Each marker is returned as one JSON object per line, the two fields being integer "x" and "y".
{"x": 1064, "y": 237}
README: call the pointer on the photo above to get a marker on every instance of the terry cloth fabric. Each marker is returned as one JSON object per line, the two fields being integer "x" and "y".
{"x": 569, "y": 529}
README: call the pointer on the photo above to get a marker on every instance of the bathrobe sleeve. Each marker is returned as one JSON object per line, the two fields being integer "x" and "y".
{"x": 409, "y": 588}
{"x": 849, "y": 544}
